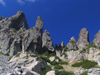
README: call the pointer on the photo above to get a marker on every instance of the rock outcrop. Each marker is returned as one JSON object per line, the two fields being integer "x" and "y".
{"x": 17, "y": 21}
{"x": 72, "y": 44}
{"x": 97, "y": 39}
{"x": 28, "y": 61}
{"x": 95, "y": 71}
{"x": 32, "y": 40}
{"x": 83, "y": 39}
{"x": 62, "y": 44}
{"x": 47, "y": 43}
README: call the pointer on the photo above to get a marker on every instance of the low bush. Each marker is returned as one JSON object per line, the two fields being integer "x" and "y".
{"x": 84, "y": 73}
{"x": 45, "y": 70}
{"x": 58, "y": 67}
{"x": 18, "y": 54}
{"x": 63, "y": 62}
{"x": 63, "y": 73}
{"x": 86, "y": 64}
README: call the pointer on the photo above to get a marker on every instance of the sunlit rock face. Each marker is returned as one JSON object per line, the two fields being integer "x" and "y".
{"x": 97, "y": 39}
{"x": 47, "y": 43}
{"x": 83, "y": 39}
{"x": 72, "y": 44}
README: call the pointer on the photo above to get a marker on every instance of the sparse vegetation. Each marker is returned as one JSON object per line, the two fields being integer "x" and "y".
{"x": 58, "y": 67}
{"x": 65, "y": 49}
{"x": 45, "y": 70}
{"x": 63, "y": 73}
{"x": 63, "y": 63}
{"x": 72, "y": 41}
{"x": 84, "y": 73}
{"x": 64, "y": 54}
{"x": 10, "y": 58}
{"x": 86, "y": 64}
{"x": 4, "y": 54}
{"x": 18, "y": 54}
{"x": 15, "y": 30}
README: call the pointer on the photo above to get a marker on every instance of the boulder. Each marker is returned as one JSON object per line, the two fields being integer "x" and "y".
{"x": 72, "y": 44}
{"x": 32, "y": 40}
{"x": 50, "y": 73}
{"x": 28, "y": 61}
{"x": 97, "y": 39}
{"x": 47, "y": 43}
{"x": 83, "y": 39}
{"x": 52, "y": 58}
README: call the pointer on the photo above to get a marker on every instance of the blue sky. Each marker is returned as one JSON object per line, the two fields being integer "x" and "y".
{"x": 62, "y": 18}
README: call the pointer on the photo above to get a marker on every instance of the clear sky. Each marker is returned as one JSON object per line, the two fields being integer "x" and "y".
{"x": 62, "y": 18}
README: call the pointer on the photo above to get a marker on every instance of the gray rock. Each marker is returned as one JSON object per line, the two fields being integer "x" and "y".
{"x": 62, "y": 44}
{"x": 72, "y": 44}
{"x": 32, "y": 40}
{"x": 17, "y": 21}
{"x": 83, "y": 39}
{"x": 95, "y": 71}
{"x": 97, "y": 39}
{"x": 51, "y": 73}
{"x": 1, "y": 18}
{"x": 52, "y": 58}
{"x": 28, "y": 61}
{"x": 15, "y": 47}
{"x": 47, "y": 43}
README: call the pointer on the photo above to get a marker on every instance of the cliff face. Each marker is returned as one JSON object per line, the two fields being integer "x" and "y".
{"x": 15, "y": 36}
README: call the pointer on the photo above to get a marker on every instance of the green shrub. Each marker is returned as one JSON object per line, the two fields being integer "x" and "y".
{"x": 53, "y": 63}
{"x": 84, "y": 73}
{"x": 72, "y": 41}
{"x": 15, "y": 30}
{"x": 4, "y": 54}
{"x": 18, "y": 54}
{"x": 63, "y": 73}
{"x": 45, "y": 70}
{"x": 63, "y": 62}
{"x": 45, "y": 58}
{"x": 58, "y": 67}
{"x": 10, "y": 58}
{"x": 86, "y": 64}
{"x": 64, "y": 54}
{"x": 46, "y": 53}
{"x": 65, "y": 49}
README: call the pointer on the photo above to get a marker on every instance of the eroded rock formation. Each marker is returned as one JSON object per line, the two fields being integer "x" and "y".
{"x": 83, "y": 39}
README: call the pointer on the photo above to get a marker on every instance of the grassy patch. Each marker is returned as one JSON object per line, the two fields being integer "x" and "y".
{"x": 86, "y": 64}
{"x": 10, "y": 58}
{"x": 4, "y": 54}
{"x": 63, "y": 73}
{"x": 63, "y": 62}
{"x": 45, "y": 70}
{"x": 84, "y": 73}
{"x": 18, "y": 54}
{"x": 58, "y": 67}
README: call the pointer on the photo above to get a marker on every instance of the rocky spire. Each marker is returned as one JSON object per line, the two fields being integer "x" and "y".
{"x": 47, "y": 43}
{"x": 17, "y": 21}
{"x": 32, "y": 40}
{"x": 72, "y": 44}
{"x": 62, "y": 44}
{"x": 97, "y": 39}
{"x": 83, "y": 39}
